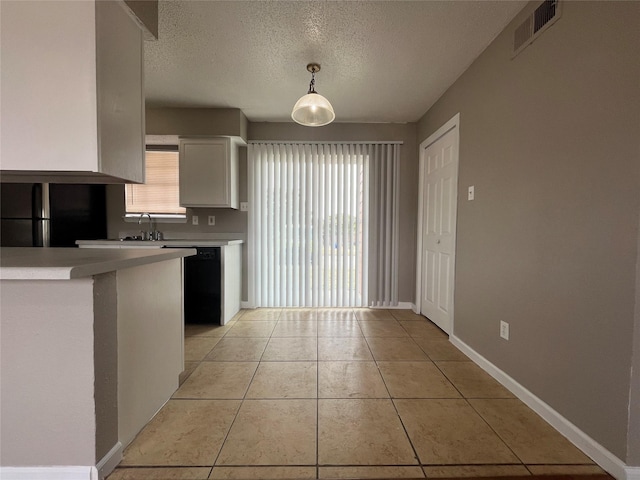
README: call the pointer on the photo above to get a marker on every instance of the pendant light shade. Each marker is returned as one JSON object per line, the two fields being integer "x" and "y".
{"x": 313, "y": 110}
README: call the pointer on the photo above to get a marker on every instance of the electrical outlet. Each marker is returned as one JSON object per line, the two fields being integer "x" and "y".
{"x": 212, "y": 220}
{"x": 504, "y": 330}
{"x": 244, "y": 206}
{"x": 472, "y": 193}
{"x": 194, "y": 220}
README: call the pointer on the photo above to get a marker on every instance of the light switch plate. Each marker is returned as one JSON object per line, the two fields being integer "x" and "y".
{"x": 194, "y": 220}
{"x": 472, "y": 193}
{"x": 244, "y": 206}
{"x": 212, "y": 220}
{"x": 504, "y": 330}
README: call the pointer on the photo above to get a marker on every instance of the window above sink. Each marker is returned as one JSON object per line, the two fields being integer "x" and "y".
{"x": 160, "y": 195}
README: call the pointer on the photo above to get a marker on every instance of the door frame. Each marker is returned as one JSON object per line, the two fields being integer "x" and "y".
{"x": 453, "y": 124}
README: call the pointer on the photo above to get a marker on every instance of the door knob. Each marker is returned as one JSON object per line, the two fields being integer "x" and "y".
{"x": 438, "y": 241}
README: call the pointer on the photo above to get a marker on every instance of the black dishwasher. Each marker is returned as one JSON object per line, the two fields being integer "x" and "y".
{"x": 202, "y": 286}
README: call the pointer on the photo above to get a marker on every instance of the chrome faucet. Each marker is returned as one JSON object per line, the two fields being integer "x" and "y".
{"x": 151, "y": 233}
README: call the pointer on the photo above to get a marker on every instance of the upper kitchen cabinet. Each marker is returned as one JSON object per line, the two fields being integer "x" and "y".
{"x": 209, "y": 172}
{"x": 72, "y": 92}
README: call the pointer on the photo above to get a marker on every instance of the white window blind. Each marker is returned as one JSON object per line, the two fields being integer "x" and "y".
{"x": 309, "y": 224}
{"x": 160, "y": 193}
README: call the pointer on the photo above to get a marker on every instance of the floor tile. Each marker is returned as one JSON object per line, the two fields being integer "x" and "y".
{"x": 401, "y": 314}
{"x": 423, "y": 329}
{"x": 416, "y": 380}
{"x": 196, "y": 348}
{"x": 382, "y": 328}
{"x": 361, "y": 432}
{"x": 441, "y": 349}
{"x": 527, "y": 434}
{"x": 218, "y": 380}
{"x": 339, "y": 328}
{"x": 261, "y": 314}
{"x": 298, "y": 314}
{"x": 295, "y": 328}
{"x": 370, "y": 472}
{"x": 395, "y": 349}
{"x": 372, "y": 314}
{"x": 197, "y": 330}
{"x": 336, "y": 314}
{"x": 285, "y": 380}
{"x": 237, "y": 349}
{"x": 252, "y": 328}
{"x": 566, "y": 470}
{"x": 162, "y": 473}
{"x": 461, "y": 471}
{"x": 183, "y": 433}
{"x": 446, "y": 432}
{"x": 264, "y": 434}
{"x": 343, "y": 348}
{"x": 472, "y": 381}
{"x": 350, "y": 380}
{"x": 291, "y": 349}
{"x": 263, "y": 473}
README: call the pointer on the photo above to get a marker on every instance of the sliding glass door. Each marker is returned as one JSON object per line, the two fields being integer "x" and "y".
{"x": 309, "y": 224}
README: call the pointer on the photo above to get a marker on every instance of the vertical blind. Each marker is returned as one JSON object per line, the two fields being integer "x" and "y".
{"x": 384, "y": 168}
{"x": 309, "y": 224}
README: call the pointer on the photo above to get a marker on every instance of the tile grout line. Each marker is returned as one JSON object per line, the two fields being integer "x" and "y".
{"x": 317, "y": 405}
{"x": 242, "y": 401}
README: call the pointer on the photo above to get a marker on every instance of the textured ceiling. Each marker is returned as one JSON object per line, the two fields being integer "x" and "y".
{"x": 382, "y": 61}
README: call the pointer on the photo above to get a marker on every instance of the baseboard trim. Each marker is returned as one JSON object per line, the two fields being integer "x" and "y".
{"x": 49, "y": 473}
{"x": 110, "y": 461}
{"x": 400, "y": 306}
{"x": 589, "y": 446}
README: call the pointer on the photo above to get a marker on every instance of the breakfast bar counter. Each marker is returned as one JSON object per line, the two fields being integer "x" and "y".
{"x": 92, "y": 347}
{"x": 68, "y": 263}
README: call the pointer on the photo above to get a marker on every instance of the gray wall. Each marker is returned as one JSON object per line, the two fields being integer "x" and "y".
{"x": 550, "y": 141}
{"x": 234, "y": 221}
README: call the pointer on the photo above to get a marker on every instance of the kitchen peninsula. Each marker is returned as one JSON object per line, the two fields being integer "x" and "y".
{"x": 229, "y": 272}
{"x": 92, "y": 347}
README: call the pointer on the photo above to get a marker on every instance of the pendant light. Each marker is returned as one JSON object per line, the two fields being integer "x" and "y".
{"x": 313, "y": 110}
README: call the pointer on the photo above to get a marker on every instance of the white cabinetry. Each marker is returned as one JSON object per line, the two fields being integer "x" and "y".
{"x": 209, "y": 172}
{"x": 72, "y": 92}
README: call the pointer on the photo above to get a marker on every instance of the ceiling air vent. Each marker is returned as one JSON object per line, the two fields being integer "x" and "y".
{"x": 542, "y": 18}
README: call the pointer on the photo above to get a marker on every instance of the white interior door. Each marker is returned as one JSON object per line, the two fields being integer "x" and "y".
{"x": 439, "y": 196}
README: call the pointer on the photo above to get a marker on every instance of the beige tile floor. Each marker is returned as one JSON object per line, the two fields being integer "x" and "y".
{"x": 339, "y": 393}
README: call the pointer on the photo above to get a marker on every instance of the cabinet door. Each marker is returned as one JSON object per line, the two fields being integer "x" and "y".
{"x": 120, "y": 93}
{"x": 206, "y": 173}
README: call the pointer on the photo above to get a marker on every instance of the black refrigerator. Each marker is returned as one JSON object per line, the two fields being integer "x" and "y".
{"x": 51, "y": 215}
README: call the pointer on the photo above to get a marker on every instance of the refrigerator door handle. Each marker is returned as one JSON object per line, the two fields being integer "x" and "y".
{"x": 41, "y": 233}
{"x": 41, "y": 213}
{"x": 40, "y": 206}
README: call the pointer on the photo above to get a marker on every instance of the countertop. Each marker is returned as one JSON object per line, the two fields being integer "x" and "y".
{"x": 69, "y": 263}
{"x": 185, "y": 242}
